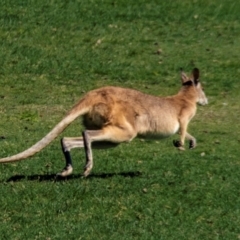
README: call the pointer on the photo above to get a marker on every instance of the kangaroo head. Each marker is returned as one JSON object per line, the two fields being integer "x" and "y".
{"x": 194, "y": 80}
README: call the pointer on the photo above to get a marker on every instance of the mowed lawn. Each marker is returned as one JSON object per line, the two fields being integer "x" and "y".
{"x": 52, "y": 52}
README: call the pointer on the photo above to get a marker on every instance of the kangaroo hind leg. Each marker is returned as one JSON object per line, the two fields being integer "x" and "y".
{"x": 69, "y": 143}
{"x": 110, "y": 135}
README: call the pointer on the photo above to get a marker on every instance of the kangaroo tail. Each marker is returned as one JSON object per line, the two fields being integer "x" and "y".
{"x": 76, "y": 111}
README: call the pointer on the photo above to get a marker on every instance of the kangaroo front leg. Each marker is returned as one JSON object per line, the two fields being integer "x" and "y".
{"x": 192, "y": 141}
{"x": 180, "y": 144}
{"x": 183, "y": 134}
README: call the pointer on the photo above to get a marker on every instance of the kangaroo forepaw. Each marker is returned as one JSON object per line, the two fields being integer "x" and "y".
{"x": 192, "y": 144}
{"x": 178, "y": 145}
{"x": 66, "y": 171}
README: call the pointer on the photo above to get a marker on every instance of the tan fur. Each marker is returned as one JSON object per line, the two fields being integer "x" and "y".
{"x": 116, "y": 115}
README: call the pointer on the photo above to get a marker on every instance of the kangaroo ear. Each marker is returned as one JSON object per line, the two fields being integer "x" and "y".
{"x": 184, "y": 77}
{"x": 195, "y": 74}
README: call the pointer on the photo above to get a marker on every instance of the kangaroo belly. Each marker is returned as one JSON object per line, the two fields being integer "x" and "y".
{"x": 157, "y": 128}
{"x": 164, "y": 133}
{"x": 157, "y": 135}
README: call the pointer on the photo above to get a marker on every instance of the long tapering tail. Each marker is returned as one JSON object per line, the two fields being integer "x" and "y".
{"x": 74, "y": 113}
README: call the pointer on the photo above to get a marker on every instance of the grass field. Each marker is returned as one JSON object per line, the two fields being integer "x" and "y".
{"x": 52, "y": 52}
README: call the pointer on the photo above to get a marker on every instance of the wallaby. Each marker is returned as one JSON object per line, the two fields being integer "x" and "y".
{"x": 112, "y": 115}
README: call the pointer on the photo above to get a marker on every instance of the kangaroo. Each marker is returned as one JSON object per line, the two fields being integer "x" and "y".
{"x": 112, "y": 115}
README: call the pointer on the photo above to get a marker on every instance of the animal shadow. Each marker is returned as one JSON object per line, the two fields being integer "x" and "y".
{"x": 55, "y": 178}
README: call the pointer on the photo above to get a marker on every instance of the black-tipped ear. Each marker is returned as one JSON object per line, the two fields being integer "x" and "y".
{"x": 196, "y": 75}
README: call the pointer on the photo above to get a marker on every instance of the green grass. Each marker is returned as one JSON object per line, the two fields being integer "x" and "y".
{"x": 52, "y": 52}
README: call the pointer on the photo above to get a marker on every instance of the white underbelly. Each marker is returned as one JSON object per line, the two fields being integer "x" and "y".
{"x": 162, "y": 132}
